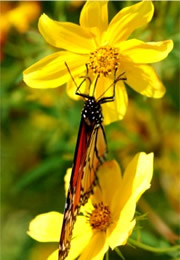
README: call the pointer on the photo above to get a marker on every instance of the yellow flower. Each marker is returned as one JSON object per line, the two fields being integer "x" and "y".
{"x": 18, "y": 16}
{"x": 107, "y": 219}
{"x": 103, "y": 47}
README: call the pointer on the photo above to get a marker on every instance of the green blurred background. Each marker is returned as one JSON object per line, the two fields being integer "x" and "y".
{"x": 39, "y": 130}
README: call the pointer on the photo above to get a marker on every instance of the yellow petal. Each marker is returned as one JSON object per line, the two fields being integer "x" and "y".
{"x": 96, "y": 248}
{"x": 136, "y": 180}
{"x": 81, "y": 227}
{"x": 67, "y": 178}
{"x": 119, "y": 231}
{"x": 143, "y": 79}
{"x": 129, "y": 19}
{"x": 96, "y": 198}
{"x": 138, "y": 175}
{"x": 46, "y": 227}
{"x": 66, "y": 35}
{"x": 94, "y": 16}
{"x": 51, "y": 72}
{"x": 53, "y": 256}
{"x": 88, "y": 207}
{"x": 71, "y": 90}
{"x": 116, "y": 110}
{"x": 141, "y": 52}
{"x": 82, "y": 235}
{"x": 72, "y": 87}
{"x": 110, "y": 179}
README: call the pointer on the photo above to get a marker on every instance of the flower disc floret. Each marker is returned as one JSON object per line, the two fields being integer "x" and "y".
{"x": 100, "y": 218}
{"x": 104, "y": 60}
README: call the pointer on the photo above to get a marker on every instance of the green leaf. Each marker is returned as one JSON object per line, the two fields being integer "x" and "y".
{"x": 33, "y": 175}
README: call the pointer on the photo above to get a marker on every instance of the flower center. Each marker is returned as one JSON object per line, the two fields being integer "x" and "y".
{"x": 100, "y": 217}
{"x": 104, "y": 60}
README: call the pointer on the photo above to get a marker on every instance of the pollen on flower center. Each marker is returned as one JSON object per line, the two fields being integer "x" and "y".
{"x": 100, "y": 217}
{"x": 104, "y": 60}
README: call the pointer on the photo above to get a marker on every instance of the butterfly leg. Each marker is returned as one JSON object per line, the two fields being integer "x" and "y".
{"x": 111, "y": 98}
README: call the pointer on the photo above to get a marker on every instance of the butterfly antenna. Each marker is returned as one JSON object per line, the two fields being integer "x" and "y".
{"x": 95, "y": 84}
{"x": 119, "y": 77}
{"x": 86, "y": 77}
{"x": 71, "y": 75}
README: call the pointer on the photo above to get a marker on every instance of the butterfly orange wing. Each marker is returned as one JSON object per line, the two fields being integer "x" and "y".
{"x": 90, "y": 152}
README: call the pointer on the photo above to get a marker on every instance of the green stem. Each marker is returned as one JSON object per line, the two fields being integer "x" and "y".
{"x": 153, "y": 249}
{"x": 107, "y": 255}
{"x": 119, "y": 253}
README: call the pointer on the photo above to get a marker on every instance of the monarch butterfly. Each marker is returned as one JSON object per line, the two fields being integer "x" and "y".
{"x": 90, "y": 152}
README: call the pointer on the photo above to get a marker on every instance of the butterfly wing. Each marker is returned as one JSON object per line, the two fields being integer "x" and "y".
{"x": 90, "y": 152}
{"x": 96, "y": 153}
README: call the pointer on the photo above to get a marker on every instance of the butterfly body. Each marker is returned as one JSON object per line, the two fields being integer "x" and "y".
{"x": 92, "y": 112}
{"x": 89, "y": 154}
